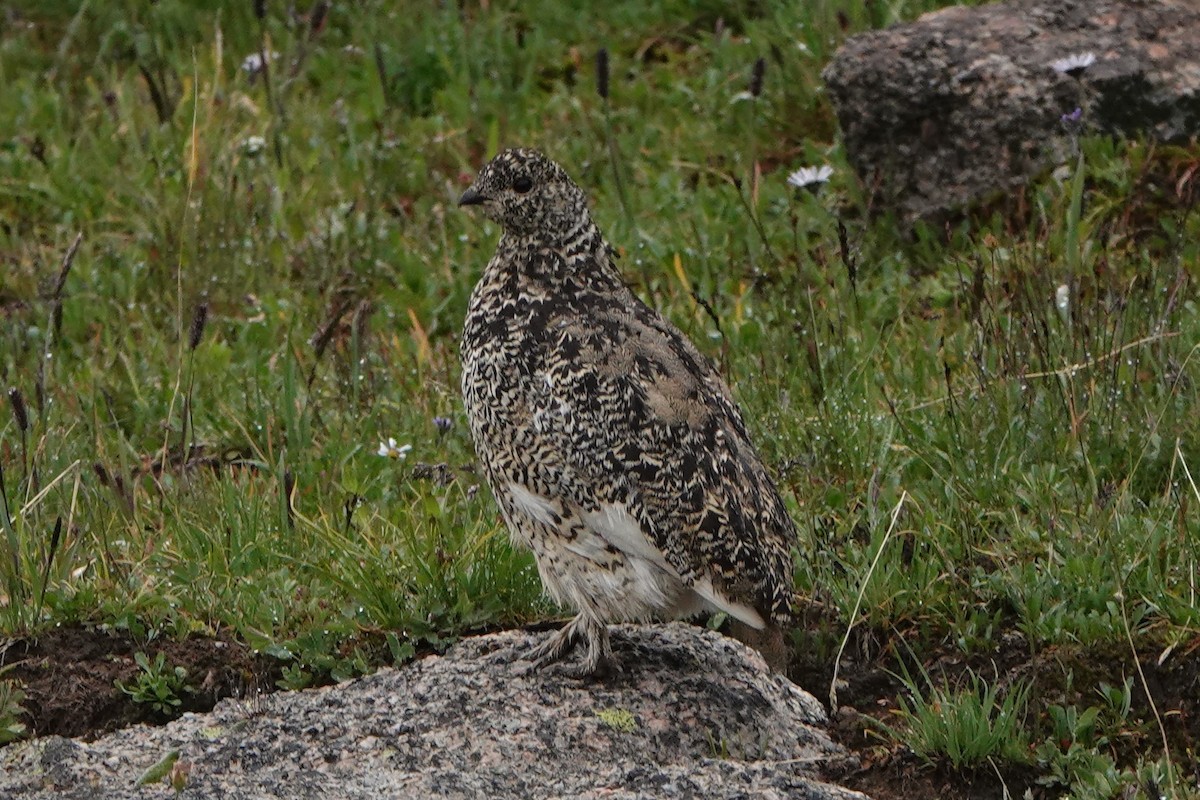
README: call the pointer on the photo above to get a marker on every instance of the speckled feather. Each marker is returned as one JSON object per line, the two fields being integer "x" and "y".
{"x": 613, "y": 447}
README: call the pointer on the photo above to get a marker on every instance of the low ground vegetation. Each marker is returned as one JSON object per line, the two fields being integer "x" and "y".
{"x": 232, "y": 267}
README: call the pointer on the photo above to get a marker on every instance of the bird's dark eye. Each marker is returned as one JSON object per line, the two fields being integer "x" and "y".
{"x": 522, "y": 184}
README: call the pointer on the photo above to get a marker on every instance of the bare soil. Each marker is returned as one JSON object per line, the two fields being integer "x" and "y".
{"x": 1060, "y": 675}
{"x": 69, "y": 676}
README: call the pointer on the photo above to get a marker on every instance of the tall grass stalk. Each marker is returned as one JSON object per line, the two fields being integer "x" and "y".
{"x": 837, "y": 661}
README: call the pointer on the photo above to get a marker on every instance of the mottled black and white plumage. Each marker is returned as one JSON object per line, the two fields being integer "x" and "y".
{"x": 613, "y": 447}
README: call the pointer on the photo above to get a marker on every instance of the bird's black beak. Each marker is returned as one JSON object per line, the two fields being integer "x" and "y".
{"x": 471, "y": 198}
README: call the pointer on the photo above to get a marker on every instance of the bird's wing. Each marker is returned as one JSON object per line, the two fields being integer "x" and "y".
{"x": 644, "y": 422}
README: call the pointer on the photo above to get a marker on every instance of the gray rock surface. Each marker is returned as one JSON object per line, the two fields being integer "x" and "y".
{"x": 693, "y": 714}
{"x": 962, "y": 103}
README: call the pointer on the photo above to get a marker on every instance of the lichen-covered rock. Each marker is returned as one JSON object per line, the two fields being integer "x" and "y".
{"x": 693, "y": 714}
{"x": 963, "y": 103}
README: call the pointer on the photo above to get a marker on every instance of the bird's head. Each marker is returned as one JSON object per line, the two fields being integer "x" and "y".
{"x": 528, "y": 194}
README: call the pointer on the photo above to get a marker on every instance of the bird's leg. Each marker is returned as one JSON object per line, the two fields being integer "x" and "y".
{"x": 558, "y": 645}
{"x": 598, "y": 660}
{"x": 586, "y": 628}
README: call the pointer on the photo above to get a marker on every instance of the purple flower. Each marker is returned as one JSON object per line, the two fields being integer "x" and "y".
{"x": 1072, "y": 123}
{"x": 443, "y": 424}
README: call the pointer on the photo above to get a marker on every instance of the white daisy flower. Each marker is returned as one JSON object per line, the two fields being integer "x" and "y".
{"x": 1074, "y": 64}
{"x": 253, "y": 145}
{"x": 810, "y": 177}
{"x": 390, "y": 449}
{"x": 1062, "y": 298}
{"x": 253, "y": 63}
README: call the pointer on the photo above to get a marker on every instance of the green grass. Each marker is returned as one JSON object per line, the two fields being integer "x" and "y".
{"x": 1049, "y": 455}
{"x": 158, "y": 685}
{"x": 965, "y": 726}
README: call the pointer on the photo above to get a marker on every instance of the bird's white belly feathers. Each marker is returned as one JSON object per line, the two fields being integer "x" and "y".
{"x": 608, "y": 565}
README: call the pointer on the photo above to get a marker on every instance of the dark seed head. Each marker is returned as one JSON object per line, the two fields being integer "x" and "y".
{"x": 602, "y": 73}
{"x": 756, "y": 77}
{"x": 65, "y": 269}
{"x": 20, "y": 412}
{"x": 54, "y": 535}
{"x": 260, "y": 8}
{"x": 316, "y": 19}
{"x": 199, "y": 320}
{"x": 101, "y": 473}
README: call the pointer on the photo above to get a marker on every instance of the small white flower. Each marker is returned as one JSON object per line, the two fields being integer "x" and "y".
{"x": 253, "y": 63}
{"x": 253, "y": 145}
{"x": 1062, "y": 298}
{"x": 390, "y": 449}
{"x": 810, "y": 176}
{"x": 1074, "y": 64}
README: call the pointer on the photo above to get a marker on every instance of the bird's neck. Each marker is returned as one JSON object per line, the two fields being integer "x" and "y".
{"x": 567, "y": 254}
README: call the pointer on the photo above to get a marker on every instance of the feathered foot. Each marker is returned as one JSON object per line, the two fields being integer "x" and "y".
{"x": 586, "y": 629}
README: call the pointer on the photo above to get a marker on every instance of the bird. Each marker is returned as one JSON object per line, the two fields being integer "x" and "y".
{"x": 613, "y": 447}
